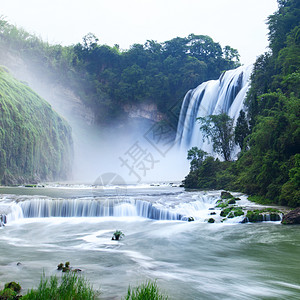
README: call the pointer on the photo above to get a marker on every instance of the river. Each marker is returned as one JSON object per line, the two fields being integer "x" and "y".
{"x": 189, "y": 260}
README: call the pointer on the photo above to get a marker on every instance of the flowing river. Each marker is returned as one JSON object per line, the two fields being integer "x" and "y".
{"x": 189, "y": 260}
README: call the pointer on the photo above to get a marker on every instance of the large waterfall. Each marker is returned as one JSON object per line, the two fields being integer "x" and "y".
{"x": 213, "y": 97}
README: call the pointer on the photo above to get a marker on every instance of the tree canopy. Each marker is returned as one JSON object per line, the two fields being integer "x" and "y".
{"x": 219, "y": 129}
{"x": 107, "y": 78}
{"x": 269, "y": 134}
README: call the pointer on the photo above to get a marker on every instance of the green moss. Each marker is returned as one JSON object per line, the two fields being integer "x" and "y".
{"x": 232, "y": 212}
{"x": 259, "y": 215}
{"x": 13, "y": 286}
{"x": 222, "y": 204}
{"x": 35, "y": 142}
{"x": 211, "y": 220}
{"x": 226, "y": 195}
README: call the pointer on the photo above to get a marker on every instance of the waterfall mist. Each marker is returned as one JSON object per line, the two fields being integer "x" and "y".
{"x": 97, "y": 149}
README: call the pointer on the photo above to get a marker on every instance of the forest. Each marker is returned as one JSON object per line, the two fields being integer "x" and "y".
{"x": 106, "y": 78}
{"x": 268, "y": 166}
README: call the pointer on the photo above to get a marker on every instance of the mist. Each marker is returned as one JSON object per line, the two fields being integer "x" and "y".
{"x": 137, "y": 150}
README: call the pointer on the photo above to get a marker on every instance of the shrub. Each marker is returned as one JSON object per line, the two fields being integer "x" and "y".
{"x": 8, "y": 294}
{"x": 13, "y": 286}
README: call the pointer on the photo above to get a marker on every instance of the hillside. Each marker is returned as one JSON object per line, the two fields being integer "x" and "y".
{"x": 108, "y": 80}
{"x": 35, "y": 142}
{"x": 268, "y": 166}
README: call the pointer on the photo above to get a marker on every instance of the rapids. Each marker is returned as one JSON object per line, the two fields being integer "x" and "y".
{"x": 189, "y": 260}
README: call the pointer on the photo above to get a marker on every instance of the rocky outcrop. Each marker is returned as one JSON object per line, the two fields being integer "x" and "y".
{"x": 144, "y": 110}
{"x": 293, "y": 217}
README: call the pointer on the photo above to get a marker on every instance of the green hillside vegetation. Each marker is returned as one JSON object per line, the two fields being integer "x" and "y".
{"x": 107, "y": 78}
{"x": 269, "y": 163}
{"x": 35, "y": 142}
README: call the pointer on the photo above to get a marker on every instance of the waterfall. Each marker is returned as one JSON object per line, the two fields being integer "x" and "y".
{"x": 45, "y": 208}
{"x": 213, "y": 97}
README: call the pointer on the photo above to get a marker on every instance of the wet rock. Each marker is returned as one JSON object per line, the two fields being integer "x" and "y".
{"x": 76, "y": 270}
{"x": 211, "y": 220}
{"x": 2, "y": 220}
{"x": 191, "y": 219}
{"x": 293, "y": 217}
{"x": 262, "y": 216}
{"x": 213, "y": 213}
{"x": 226, "y": 195}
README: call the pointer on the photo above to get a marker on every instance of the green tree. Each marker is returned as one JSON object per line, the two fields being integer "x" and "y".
{"x": 219, "y": 129}
{"x": 196, "y": 156}
{"x": 241, "y": 129}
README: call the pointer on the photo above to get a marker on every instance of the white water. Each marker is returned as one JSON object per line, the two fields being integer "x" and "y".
{"x": 171, "y": 203}
{"x": 225, "y": 95}
{"x": 189, "y": 260}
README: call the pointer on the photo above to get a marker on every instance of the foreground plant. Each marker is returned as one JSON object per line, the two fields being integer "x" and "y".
{"x": 145, "y": 291}
{"x": 118, "y": 234}
{"x": 71, "y": 287}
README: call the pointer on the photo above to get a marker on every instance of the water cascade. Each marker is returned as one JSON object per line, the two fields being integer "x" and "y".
{"x": 225, "y": 95}
{"x": 45, "y": 208}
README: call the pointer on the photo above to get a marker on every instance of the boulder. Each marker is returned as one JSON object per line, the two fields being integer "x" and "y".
{"x": 293, "y": 217}
{"x": 226, "y": 195}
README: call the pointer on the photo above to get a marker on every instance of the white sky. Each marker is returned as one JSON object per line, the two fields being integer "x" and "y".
{"x": 237, "y": 23}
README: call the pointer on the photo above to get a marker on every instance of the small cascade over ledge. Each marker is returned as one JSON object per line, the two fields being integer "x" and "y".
{"x": 225, "y": 95}
{"x": 67, "y": 208}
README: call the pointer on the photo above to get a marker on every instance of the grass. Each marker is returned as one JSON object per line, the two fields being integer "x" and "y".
{"x": 70, "y": 287}
{"x": 145, "y": 291}
{"x": 261, "y": 200}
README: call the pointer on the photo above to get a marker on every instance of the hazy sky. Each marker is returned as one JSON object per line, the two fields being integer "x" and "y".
{"x": 237, "y": 23}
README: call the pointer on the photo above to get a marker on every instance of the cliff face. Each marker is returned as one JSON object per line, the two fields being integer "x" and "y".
{"x": 63, "y": 100}
{"x": 147, "y": 111}
{"x": 35, "y": 142}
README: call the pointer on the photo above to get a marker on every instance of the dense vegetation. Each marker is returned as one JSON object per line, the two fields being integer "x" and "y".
{"x": 269, "y": 163}
{"x": 35, "y": 143}
{"x": 107, "y": 78}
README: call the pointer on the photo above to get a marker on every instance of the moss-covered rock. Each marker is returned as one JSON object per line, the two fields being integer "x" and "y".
{"x": 13, "y": 286}
{"x": 211, "y": 220}
{"x": 226, "y": 195}
{"x": 293, "y": 217}
{"x": 232, "y": 212}
{"x": 35, "y": 142}
{"x": 268, "y": 214}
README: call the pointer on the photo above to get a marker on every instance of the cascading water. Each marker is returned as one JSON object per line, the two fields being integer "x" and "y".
{"x": 174, "y": 206}
{"x": 225, "y": 95}
{"x": 44, "y": 208}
